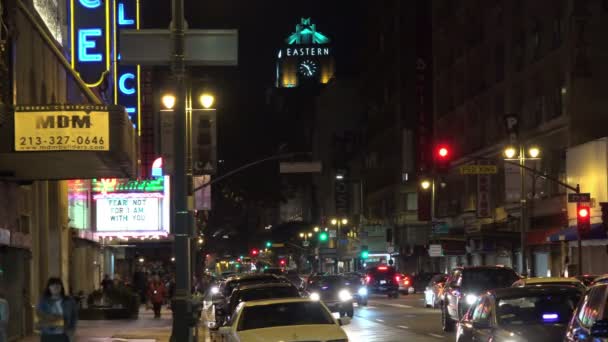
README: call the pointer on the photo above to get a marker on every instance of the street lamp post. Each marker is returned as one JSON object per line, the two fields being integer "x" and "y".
{"x": 338, "y": 222}
{"x": 510, "y": 154}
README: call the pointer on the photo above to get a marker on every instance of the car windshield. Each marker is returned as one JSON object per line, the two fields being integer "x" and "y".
{"x": 540, "y": 309}
{"x": 231, "y": 285}
{"x": 330, "y": 282}
{"x": 267, "y": 293}
{"x": 487, "y": 279}
{"x": 283, "y": 314}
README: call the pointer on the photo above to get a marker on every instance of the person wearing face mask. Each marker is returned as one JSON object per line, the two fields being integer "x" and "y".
{"x": 57, "y": 314}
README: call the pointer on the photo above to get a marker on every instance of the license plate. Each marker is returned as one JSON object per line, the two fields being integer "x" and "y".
{"x": 382, "y": 282}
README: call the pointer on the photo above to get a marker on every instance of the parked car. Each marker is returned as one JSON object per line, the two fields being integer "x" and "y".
{"x": 537, "y": 281}
{"x": 590, "y": 319}
{"x": 465, "y": 284}
{"x": 538, "y": 314}
{"x": 433, "y": 290}
{"x": 334, "y": 292}
{"x": 383, "y": 280}
{"x": 284, "y": 320}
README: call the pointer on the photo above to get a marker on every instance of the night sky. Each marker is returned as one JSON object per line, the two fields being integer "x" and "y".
{"x": 246, "y": 129}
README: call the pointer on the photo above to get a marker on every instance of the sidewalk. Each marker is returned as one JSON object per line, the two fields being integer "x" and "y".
{"x": 144, "y": 329}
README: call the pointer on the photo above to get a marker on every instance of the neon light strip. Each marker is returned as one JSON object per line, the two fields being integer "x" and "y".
{"x": 138, "y": 100}
{"x": 133, "y": 235}
{"x": 128, "y": 195}
{"x": 114, "y": 60}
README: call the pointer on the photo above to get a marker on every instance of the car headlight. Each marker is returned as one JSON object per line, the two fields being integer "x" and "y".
{"x": 215, "y": 290}
{"x": 362, "y": 292}
{"x": 344, "y": 295}
{"x": 470, "y": 299}
{"x": 315, "y": 296}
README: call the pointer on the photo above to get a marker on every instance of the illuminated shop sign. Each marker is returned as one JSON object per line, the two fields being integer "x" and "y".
{"x": 306, "y": 33}
{"x": 89, "y": 28}
{"x": 62, "y": 128}
{"x": 78, "y": 203}
{"x": 307, "y": 51}
{"x": 114, "y": 185}
{"x": 131, "y": 207}
{"x": 126, "y": 77}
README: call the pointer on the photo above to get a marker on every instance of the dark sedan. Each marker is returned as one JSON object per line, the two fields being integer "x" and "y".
{"x": 248, "y": 293}
{"x": 335, "y": 292}
{"x": 536, "y": 314}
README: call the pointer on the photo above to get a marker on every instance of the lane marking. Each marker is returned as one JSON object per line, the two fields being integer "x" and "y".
{"x": 403, "y": 306}
{"x": 402, "y": 327}
{"x": 436, "y": 335}
{"x": 380, "y": 320}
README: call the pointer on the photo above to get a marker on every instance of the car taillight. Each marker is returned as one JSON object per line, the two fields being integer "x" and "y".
{"x": 368, "y": 279}
{"x": 406, "y": 281}
{"x": 397, "y": 279}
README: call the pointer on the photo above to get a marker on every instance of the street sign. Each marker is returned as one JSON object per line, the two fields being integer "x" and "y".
{"x": 435, "y": 250}
{"x": 478, "y": 169}
{"x": 300, "y": 167}
{"x": 202, "y": 47}
{"x": 305, "y": 243}
{"x": 580, "y": 197}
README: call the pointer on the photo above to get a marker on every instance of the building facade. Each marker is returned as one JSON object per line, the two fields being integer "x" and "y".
{"x": 540, "y": 63}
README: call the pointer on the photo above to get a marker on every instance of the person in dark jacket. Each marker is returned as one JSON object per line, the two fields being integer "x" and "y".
{"x": 57, "y": 314}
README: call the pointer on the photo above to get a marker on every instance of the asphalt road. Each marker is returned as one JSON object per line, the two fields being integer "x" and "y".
{"x": 402, "y": 319}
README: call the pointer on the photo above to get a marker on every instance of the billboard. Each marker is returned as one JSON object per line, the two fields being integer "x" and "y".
{"x": 62, "y": 128}
{"x": 134, "y": 208}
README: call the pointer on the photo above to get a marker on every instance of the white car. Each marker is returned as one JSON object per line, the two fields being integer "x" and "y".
{"x": 287, "y": 319}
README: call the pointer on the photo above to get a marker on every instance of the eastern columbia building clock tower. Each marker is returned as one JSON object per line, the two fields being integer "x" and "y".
{"x": 305, "y": 58}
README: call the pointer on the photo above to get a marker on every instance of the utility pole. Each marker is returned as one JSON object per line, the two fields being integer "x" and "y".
{"x": 182, "y": 305}
{"x": 522, "y": 210}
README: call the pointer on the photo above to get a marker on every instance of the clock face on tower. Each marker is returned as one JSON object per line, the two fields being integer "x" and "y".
{"x": 307, "y": 68}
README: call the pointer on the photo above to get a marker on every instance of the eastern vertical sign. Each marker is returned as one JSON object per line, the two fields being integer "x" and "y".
{"x": 89, "y": 32}
{"x": 126, "y": 77}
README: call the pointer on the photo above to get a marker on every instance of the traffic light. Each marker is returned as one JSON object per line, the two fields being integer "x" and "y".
{"x": 255, "y": 252}
{"x": 268, "y": 244}
{"x": 442, "y": 155}
{"x": 323, "y": 236}
{"x": 364, "y": 252}
{"x": 583, "y": 220}
{"x": 282, "y": 262}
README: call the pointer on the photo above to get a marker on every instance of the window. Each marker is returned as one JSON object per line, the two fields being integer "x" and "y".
{"x": 483, "y": 311}
{"x": 590, "y": 310}
{"x": 411, "y": 201}
{"x": 284, "y": 314}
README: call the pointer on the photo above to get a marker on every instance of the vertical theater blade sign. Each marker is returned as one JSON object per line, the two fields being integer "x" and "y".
{"x": 89, "y": 33}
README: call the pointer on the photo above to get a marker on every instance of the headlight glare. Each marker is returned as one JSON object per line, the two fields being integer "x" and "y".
{"x": 362, "y": 292}
{"x": 215, "y": 290}
{"x": 315, "y": 296}
{"x": 344, "y": 295}
{"x": 470, "y": 299}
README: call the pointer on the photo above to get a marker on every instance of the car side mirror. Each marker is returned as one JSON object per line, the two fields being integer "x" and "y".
{"x": 481, "y": 325}
{"x": 600, "y": 328}
{"x": 344, "y": 321}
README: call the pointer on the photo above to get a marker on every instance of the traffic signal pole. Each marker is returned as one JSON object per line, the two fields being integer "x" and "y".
{"x": 182, "y": 305}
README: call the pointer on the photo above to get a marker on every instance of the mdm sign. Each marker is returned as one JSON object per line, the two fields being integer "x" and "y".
{"x": 90, "y": 27}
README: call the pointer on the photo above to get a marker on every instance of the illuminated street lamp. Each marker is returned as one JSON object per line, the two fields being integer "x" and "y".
{"x": 425, "y": 184}
{"x": 316, "y": 229}
{"x": 168, "y": 101}
{"x": 344, "y": 221}
{"x": 534, "y": 152}
{"x": 510, "y": 152}
{"x": 334, "y": 222}
{"x": 309, "y": 235}
{"x": 207, "y": 100}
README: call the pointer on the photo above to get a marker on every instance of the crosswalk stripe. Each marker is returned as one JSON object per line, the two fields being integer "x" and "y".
{"x": 402, "y": 327}
{"x": 436, "y": 335}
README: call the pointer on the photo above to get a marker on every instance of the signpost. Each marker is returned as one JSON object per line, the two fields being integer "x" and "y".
{"x": 583, "y": 197}
{"x": 478, "y": 170}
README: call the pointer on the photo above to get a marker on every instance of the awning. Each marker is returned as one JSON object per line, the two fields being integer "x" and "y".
{"x": 540, "y": 236}
{"x": 570, "y": 234}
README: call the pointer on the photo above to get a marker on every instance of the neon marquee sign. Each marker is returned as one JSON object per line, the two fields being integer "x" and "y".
{"x": 89, "y": 27}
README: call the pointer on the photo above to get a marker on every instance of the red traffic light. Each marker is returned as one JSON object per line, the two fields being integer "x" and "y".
{"x": 442, "y": 152}
{"x": 254, "y": 252}
{"x": 282, "y": 262}
{"x": 583, "y": 212}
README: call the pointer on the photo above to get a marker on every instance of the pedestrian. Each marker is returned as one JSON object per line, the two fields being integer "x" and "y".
{"x": 106, "y": 283}
{"x": 3, "y": 317}
{"x": 57, "y": 313}
{"x": 156, "y": 294}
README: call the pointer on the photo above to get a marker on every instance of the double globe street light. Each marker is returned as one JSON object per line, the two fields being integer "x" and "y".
{"x": 206, "y": 100}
